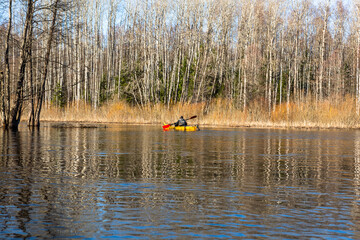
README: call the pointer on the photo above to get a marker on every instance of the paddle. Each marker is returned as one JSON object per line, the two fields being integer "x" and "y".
{"x": 168, "y": 125}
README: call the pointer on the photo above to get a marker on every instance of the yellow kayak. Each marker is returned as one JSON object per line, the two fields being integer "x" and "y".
{"x": 188, "y": 128}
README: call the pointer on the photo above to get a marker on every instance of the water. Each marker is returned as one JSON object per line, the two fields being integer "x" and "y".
{"x": 139, "y": 182}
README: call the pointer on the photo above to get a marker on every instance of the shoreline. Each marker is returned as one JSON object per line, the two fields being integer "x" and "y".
{"x": 218, "y": 114}
{"x": 105, "y": 124}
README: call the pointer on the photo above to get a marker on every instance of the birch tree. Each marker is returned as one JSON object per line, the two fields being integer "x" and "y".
{"x": 150, "y": 52}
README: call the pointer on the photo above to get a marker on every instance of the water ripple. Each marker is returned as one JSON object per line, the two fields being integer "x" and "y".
{"x": 140, "y": 183}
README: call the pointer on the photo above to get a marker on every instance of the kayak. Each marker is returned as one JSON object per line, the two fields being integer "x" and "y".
{"x": 189, "y": 128}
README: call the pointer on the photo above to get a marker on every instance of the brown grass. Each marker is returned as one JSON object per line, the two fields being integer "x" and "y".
{"x": 326, "y": 114}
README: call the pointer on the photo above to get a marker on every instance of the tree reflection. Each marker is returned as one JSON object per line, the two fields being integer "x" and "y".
{"x": 77, "y": 178}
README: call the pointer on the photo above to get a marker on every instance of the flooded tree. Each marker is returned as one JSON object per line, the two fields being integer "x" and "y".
{"x": 16, "y": 93}
{"x": 34, "y": 119}
{"x": 5, "y": 81}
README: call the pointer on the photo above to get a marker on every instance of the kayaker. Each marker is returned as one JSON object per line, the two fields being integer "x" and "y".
{"x": 181, "y": 122}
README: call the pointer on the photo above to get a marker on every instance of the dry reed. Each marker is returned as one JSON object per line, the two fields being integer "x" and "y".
{"x": 326, "y": 114}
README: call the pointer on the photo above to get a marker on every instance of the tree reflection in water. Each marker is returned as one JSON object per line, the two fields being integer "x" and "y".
{"x": 139, "y": 181}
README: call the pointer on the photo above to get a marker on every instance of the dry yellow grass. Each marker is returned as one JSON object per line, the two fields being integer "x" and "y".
{"x": 326, "y": 114}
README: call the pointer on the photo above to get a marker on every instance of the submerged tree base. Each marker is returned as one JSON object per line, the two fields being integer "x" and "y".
{"x": 220, "y": 112}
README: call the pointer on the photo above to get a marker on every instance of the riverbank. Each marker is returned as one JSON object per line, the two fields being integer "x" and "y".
{"x": 327, "y": 114}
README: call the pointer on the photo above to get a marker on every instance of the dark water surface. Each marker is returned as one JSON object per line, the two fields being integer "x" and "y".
{"x": 140, "y": 182}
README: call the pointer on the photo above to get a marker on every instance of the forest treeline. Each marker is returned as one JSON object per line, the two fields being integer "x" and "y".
{"x": 145, "y": 52}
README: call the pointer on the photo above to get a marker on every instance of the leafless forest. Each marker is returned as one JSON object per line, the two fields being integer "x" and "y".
{"x": 60, "y": 52}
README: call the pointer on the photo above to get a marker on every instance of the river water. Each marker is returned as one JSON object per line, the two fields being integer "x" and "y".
{"x": 140, "y": 182}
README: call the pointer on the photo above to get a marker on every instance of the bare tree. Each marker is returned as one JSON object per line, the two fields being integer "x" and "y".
{"x": 16, "y": 107}
{"x": 147, "y": 52}
{"x": 357, "y": 55}
{"x": 5, "y": 85}
{"x": 35, "y": 119}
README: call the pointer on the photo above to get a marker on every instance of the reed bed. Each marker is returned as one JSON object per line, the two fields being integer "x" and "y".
{"x": 220, "y": 112}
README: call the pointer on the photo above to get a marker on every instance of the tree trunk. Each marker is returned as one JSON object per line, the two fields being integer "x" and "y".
{"x": 36, "y": 121}
{"x": 5, "y": 85}
{"x": 16, "y": 110}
